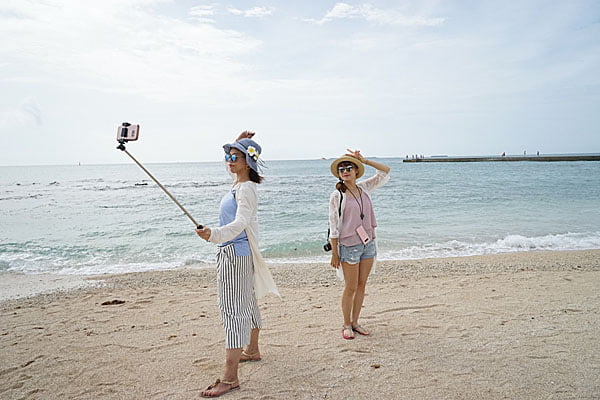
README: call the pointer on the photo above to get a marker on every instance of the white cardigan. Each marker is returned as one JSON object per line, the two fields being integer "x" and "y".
{"x": 246, "y": 219}
{"x": 368, "y": 185}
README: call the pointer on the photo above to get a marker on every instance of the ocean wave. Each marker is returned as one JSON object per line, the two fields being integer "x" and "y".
{"x": 312, "y": 252}
{"x": 388, "y": 250}
{"x": 26, "y": 197}
{"x": 129, "y": 186}
{"x": 195, "y": 185}
{"x": 143, "y": 184}
{"x": 35, "y": 258}
{"x": 508, "y": 244}
{"x": 28, "y": 257}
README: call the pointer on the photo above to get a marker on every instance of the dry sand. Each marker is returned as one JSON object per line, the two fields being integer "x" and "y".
{"x": 512, "y": 326}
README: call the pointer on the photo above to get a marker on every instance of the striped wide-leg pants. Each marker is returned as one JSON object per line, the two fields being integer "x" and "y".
{"x": 236, "y": 299}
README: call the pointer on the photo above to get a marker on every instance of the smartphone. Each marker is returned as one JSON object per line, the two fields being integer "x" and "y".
{"x": 127, "y": 132}
{"x": 363, "y": 235}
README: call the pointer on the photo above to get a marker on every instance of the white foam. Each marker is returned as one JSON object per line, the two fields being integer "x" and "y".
{"x": 387, "y": 250}
{"x": 510, "y": 243}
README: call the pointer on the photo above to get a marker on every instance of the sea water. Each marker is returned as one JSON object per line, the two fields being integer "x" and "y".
{"x": 96, "y": 219}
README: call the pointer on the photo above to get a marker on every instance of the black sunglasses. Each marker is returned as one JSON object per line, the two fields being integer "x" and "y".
{"x": 347, "y": 168}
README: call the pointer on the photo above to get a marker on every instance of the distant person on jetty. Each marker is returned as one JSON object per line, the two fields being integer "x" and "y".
{"x": 242, "y": 275}
{"x": 352, "y": 224}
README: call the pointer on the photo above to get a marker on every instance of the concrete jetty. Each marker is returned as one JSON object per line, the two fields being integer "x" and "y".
{"x": 547, "y": 158}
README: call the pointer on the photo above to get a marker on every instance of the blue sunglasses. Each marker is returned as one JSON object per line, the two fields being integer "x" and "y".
{"x": 231, "y": 157}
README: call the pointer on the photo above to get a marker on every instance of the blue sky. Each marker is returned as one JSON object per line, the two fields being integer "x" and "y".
{"x": 311, "y": 78}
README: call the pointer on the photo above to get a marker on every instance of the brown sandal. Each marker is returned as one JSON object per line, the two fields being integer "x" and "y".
{"x": 232, "y": 386}
{"x": 250, "y": 357}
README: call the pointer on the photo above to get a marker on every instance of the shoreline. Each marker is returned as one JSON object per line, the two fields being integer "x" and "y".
{"x": 15, "y": 285}
{"x": 513, "y": 325}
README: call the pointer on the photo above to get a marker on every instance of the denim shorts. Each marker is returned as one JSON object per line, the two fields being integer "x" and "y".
{"x": 353, "y": 254}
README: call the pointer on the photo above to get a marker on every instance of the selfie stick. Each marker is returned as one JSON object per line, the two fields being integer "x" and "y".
{"x": 121, "y": 147}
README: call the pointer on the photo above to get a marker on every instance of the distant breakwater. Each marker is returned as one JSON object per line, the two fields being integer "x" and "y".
{"x": 504, "y": 158}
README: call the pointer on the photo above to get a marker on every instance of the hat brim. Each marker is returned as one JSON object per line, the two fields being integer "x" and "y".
{"x": 338, "y": 161}
{"x": 252, "y": 163}
{"x": 227, "y": 147}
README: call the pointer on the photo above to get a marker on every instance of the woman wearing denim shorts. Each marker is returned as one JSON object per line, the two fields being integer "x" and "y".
{"x": 352, "y": 231}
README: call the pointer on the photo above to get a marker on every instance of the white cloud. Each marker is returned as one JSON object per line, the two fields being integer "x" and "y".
{"x": 376, "y": 15}
{"x": 343, "y": 10}
{"x": 255, "y": 12}
{"x": 259, "y": 12}
{"x": 201, "y": 13}
{"x": 119, "y": 46}
{"x": 235, "y": 11}
{"x": 26, "y": 114}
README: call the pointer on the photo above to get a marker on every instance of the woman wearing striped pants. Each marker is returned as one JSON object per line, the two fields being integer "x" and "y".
{"x": 242, "y": 275}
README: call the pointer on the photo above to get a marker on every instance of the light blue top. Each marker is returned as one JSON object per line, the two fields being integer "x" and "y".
{"x": 226, "y": 216}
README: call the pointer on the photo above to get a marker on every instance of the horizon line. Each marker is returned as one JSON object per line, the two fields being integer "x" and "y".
{"x": 292, "y": 159}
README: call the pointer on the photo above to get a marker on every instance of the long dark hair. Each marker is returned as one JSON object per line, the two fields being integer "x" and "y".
{"x": 255, "y": 177}
{"x": 340, "y": 185}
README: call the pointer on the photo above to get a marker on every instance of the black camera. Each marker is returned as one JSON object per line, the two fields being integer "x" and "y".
{"x": 327, "y": 246}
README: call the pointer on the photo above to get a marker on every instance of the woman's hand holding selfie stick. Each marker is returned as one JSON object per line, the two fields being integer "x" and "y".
{"x": 203, "y": 232}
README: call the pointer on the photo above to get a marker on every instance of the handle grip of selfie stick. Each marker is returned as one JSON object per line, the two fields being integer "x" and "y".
{"x": 122, "y": 148}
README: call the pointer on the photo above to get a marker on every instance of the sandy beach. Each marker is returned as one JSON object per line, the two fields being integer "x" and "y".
{"x": 509, "y": 326}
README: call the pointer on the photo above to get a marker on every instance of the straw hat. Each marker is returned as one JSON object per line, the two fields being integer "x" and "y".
{"x": 338, "y": 161}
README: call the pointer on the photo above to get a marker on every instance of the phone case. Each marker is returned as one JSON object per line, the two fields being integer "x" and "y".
{"x": 128, "y": 133}
{"x": 363, "y": 235}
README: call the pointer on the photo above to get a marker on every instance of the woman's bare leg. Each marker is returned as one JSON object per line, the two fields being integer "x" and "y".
{"x": 364, "y": 269}
{"x": 351, "y": 281}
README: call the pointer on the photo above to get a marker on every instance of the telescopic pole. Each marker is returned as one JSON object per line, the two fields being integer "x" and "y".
{"x": 121, "y": 147}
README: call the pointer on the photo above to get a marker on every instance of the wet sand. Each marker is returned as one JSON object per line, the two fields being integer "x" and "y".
{"x": 511, "y": 326}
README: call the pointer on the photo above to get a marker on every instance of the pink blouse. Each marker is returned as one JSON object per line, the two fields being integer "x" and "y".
{"x": 352, "y": 220}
